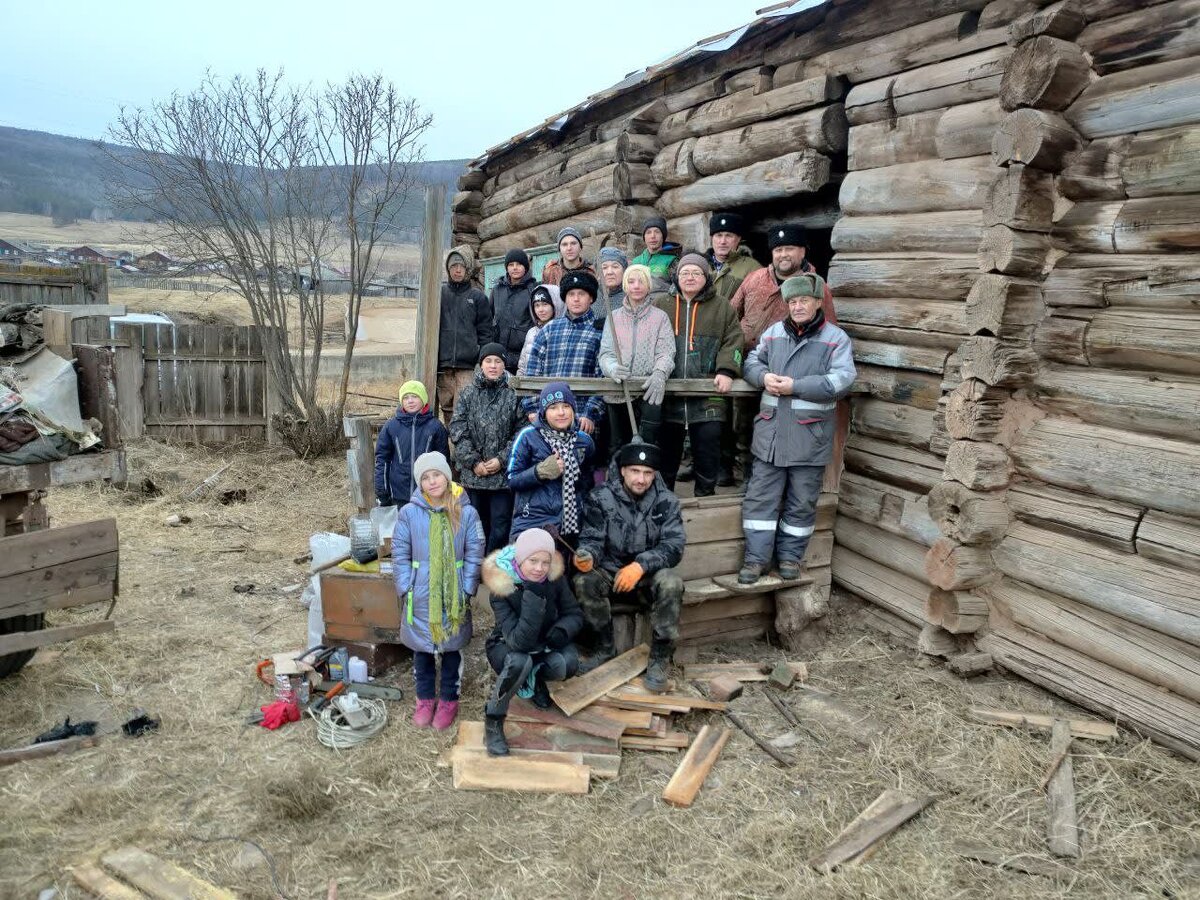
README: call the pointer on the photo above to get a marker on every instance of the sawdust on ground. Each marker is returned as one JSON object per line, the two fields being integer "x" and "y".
{"x": 383, "y": 819}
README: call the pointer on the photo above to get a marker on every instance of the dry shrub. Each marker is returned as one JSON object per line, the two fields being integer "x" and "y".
{"x": 318, "y": 435}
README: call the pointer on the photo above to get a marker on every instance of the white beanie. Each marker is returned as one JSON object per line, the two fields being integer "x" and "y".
{"x": 432, "y": 461}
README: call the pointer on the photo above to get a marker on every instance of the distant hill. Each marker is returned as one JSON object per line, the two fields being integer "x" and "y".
{"x": 64, "y": 177}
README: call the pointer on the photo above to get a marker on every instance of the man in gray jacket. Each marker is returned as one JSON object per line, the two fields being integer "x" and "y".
{"x": 804, "y": 365}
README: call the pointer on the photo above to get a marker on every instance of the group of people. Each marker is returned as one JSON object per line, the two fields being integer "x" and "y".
{"x": 562, "y": 506}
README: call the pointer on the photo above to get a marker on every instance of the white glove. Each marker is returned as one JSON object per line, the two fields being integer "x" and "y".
{"x": 619, "y": 373}
{"x": 656, "y": 389}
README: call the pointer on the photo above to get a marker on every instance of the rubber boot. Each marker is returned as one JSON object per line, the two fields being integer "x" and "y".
{"x": 541, "y": 693}
{"x": 657, "y": 672}
{"x": 605, "y": 650}
{"x": 493, "y": 736}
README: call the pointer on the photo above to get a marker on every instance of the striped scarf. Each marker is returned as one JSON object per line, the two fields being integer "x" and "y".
{"x": 445, "y": 598}
{"x": 563, "y": 443}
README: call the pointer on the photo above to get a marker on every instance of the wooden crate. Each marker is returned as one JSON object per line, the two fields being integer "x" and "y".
{"x": 359, "y": 606}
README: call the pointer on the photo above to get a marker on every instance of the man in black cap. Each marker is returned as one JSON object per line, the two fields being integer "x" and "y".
{"x": 731, "y": 263}
{"x": 631, "y": 540}
{"x": 660, "y": 255}
{"x": 510, "y": 301}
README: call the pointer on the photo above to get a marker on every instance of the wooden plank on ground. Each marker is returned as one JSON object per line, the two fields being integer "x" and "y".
{"x": 1017, "y": 862}
{"x": 586, "y": 721}
{"x": 30, "y": 640}
{"x": 160, "y": 879}
{"x": 891, "y": 810}
{"x": 693, "y": 769}
{"x": 671, "y": 741}
{"x": 99, "y": 883}
{"x": 671, "y": 702}
{"x": 480, "y": 772}
{"x": 1062, "y": 825}
{"x": 742, "y": 671}
{"x": 602, "y": 755}
{"x": 1090, "y": 729}
{"x": 49, "y": 748}
{"x": 574, "y": 694}
{"x": 625, "y": 718}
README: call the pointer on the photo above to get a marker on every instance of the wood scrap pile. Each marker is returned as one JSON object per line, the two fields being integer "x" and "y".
{"x": 131, "y": 873}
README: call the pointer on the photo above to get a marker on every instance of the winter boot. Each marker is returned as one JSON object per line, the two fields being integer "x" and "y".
{"x": 447, "y": 712}
{"x": 750, "y": 573}
{"x": 789, "y": 570}
{"x": 605, "y": 650}
{"x": 727, "y": 478}
{"x": 704, "y": 487}
{"x": 493, "y": 736}
{"x": 656, "y": 678}
{"x": 423, "y": 714}
{"x": 686, "y": 473}
{"x": 541, "y": 693}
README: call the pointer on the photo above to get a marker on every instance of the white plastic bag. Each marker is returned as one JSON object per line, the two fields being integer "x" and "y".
{"x": 325, "y": 546}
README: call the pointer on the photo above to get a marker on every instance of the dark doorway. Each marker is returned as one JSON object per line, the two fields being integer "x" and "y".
{"x": 816, "y": 212}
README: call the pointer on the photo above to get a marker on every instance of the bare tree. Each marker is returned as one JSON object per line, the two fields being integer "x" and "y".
{"x": 269, "y": 183}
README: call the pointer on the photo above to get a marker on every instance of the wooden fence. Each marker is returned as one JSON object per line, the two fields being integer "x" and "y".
{"x": 43, "y": 285}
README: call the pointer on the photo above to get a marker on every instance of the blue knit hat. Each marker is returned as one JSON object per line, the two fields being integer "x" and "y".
{"x": 613, "y": 254}
{"x": 556, "y": 392}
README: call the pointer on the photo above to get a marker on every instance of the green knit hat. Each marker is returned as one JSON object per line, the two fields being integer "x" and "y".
{"x": 810, "y": 285}
{"x": 415, "y": 387}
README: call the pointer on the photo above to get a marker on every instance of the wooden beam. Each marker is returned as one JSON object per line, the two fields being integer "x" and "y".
{"x": 1062, "y": 825}
{"x": 891, "y": 810}
{"x": 30, "y": 640}
{"x": 574, "y": 694}
{"x": 158, "y": 878}
{"x": 693, "y": 769}
{"x": 429, "y": 306}
{"x": 1081, "y": 728}
{"x": 49, "y": 748}
{"x": 480, "y": 772}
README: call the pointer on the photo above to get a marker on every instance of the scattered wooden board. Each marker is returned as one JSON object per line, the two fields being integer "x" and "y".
{"x": 640, "y": 706}
{"x": 480, "y": 772}
{"x": 887, "y": 813}
{"x": 673, "y": 702}
{"x": 724, "y": 688}
{"x": 659, "y": 725}
{"x": 671, "y": 741}
{"x": 640, "y": 684}
{"x": 1017, "y": 862}
{"x": 1062, "y": 825}
{"x": 49, "y": 748}
{"x": 693, "y": 769}
{"x": 574, "y": 694}
{"x": 99, "y": 883}
{"x": 625, "y": 718}
{"x": 1090, "y": 729}
{"x": 160, "y": 879}
{"x": 742, "y": 671}
{"x": 600, "y": 754}
{"x": 586, "y": 721}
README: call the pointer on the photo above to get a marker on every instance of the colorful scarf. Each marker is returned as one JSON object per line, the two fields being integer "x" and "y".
{"x": 445, "y": 598}
{"x": 563, "y": 443}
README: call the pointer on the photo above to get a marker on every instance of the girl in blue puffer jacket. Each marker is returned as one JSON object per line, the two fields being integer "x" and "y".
{"x": 437, "y": 549}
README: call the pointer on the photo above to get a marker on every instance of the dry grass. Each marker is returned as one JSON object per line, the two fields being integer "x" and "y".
{"x": 383, "y": 819}
{"x": 136, "y": 237}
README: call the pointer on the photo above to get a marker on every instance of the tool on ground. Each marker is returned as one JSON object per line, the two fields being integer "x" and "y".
{"x": 321, "y": 702}
{"x": 334, "y": 729}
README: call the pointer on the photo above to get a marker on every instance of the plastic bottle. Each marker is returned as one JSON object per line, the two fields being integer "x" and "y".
{"x": 283, "y": 689}
{"x": 339, "y": 665}
{"x": 358, "y": 670}
{"x": 364, "y": 539}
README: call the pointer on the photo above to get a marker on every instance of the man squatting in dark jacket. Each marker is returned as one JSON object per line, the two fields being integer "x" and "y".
{"x": 631, "y": 541}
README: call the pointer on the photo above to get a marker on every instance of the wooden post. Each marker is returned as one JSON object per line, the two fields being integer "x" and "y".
{"x": 429, "y": 306}
{"x": 129, "y": 366}
{"x": 360, "y": 461}
{"x": 95, "y": 281}
{"x": 272, "y": 399}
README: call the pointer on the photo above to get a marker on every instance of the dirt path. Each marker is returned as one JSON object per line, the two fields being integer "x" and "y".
{"x": 383, "y": 819}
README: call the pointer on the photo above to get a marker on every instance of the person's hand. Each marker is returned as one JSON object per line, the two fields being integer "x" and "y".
{"x": 777, "y": 385}
{"x": 656, "y": 389}
{"x": 532, "y": 418}
{"x": 550, "y": 468}
{"x": 628, "y": 578}
{"x": 480, "y": 469}
{"x": 620, "y": 373}
{"x": 384, "y": 500}
{"x": 586, "y": 425}
{"x": 557, "y": 638}
{"x": 584, "y": 561}
{"x": 723, "y": 384}
{"x": 786, "y": 385}
{"x": 492, "y": 466}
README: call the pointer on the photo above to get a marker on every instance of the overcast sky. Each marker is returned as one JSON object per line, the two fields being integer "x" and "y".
{"x": 485, "y": 69}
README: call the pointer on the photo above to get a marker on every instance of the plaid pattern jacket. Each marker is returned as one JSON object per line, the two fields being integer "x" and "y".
{"x": 568, "y": 348}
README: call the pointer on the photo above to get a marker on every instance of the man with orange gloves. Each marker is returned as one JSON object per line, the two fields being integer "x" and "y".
{"x": 632, "y": 538}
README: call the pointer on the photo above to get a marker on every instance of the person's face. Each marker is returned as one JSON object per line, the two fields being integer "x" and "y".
{"x": 724, "y": 243}
{"x": 654, "y": 239}
{"x": 802, "y": 309}
{"x": 787, "y": 260}
{"x": 434, "y": 484}
{"x": 492, "y": 367}
{"x": 637, "y": 289}
{"x": 458, "y": 272}
{"x": 570, "y": 248}
{"x": 411, "y": 403}
{"x": 691, "y": 280}
{"x": 536, "y": 566}
{"x": 637, "y": 479}
{"x": 544, "y": 310}
{"x": 612, "y": 272}
{"x": 516, "y": 271}
{"x": 560, "y": 415}
{"x": 579, "y": 301}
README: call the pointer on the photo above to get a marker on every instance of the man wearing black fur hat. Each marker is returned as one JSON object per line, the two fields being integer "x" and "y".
{"x": 631, "y": 540}
{"x": 510, "y": 301}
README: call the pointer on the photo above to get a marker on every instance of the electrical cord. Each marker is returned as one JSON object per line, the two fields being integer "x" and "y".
{"x": 332, "y": 730}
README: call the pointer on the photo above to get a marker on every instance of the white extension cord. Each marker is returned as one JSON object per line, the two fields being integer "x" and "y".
{"x": 333, "y": 731}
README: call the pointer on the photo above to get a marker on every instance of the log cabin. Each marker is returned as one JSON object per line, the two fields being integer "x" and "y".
{"x": 1005, "y": 195}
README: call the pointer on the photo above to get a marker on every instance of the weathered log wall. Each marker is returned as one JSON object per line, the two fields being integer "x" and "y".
{"x": 1018, "y": 262}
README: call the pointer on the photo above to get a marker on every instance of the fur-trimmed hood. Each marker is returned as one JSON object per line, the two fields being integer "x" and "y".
{"x": 501, "y": 580}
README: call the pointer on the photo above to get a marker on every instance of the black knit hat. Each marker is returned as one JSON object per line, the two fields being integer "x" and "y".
{"x": 787, "y": 236}
{"x": 492, "y": 349}
{"x": 727, "y": 221}
{"x": 639, "y": 454}
{"x": 518, "y": 256}
{"x": 581, "y": 279}
{"x": 655, "y": 222}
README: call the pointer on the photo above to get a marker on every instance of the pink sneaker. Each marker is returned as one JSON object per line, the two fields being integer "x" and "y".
{"x": 423, "y": 714}
{"x": 447, "y": 712}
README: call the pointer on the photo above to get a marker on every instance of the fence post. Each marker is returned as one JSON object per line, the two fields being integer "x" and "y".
{"x": 429, "y": 306}
{"x": 360, "y": 461}
{"x": 129, "y": 366}
{"x": 272, "y": 402}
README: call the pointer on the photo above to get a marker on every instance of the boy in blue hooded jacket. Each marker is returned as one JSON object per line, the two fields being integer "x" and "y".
{"x": 412, "y": 431}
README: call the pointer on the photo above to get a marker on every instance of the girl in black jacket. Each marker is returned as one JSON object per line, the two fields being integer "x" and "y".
{"x": 537, "y": 619}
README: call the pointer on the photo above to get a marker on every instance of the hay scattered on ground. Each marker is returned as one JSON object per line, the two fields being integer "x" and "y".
{"x": 384, "y": 820}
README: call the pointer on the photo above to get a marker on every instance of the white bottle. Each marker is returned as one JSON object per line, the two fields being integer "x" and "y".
{"x": 358, "y": 670}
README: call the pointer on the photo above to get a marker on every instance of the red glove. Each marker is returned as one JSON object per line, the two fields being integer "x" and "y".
{"x": 279, "y": 713}
{"x": 628, "y": 578}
